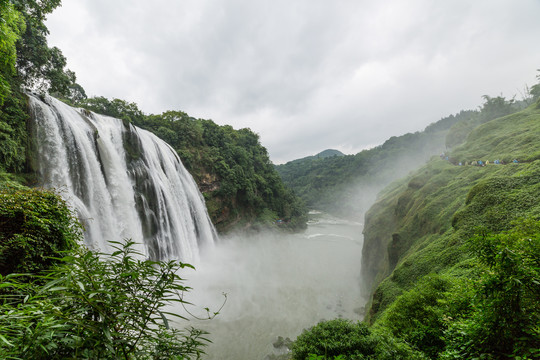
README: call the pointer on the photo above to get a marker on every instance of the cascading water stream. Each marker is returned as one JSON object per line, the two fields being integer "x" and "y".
{"x": 123, "y": 181}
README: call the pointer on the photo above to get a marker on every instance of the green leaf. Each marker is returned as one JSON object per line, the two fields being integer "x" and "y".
{"x": 164, "y": 318}
{"x": 58, "y": 288}
{"x": 5, "y": 340}
{"x": 81, "y": 286}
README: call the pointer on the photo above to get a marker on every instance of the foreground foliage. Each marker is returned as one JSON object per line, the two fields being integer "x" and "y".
{"x": 505, "y": 317}
{"x": 97, "y": 306}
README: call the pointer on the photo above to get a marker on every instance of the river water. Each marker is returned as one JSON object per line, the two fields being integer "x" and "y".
{"x": 277, "y": 285}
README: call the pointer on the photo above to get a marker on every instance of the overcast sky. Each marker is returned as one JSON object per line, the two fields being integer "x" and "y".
{"x": 306, "y": 75}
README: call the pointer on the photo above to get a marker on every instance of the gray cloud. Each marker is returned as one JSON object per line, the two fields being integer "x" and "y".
{"x": 305, "y": 75}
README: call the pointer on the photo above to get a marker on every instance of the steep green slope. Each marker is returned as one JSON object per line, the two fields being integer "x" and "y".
{"x": 420, "y": 224}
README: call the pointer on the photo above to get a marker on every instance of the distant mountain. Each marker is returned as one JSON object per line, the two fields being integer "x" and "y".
{"x": 329, "y": 153}
{"x": 322, "y": 155}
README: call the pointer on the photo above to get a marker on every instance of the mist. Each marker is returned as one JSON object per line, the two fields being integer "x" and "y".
{"x": 277, "y": 285}
{"x": 356, "y": 198}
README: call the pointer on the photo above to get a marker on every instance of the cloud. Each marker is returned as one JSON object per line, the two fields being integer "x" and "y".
{"x": 305, "y": 75}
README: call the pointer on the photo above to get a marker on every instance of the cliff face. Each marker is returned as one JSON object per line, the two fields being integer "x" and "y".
{"x": 419, "y": 224}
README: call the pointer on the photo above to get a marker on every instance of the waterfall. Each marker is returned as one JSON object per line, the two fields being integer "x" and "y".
{"x": 123, "y": 182}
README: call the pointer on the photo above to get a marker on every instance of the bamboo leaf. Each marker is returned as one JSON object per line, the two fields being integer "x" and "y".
{"x": 164, "y": 318}
{"x": 5, "y": 340}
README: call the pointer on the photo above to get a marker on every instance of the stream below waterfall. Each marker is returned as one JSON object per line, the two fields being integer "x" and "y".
{"x": 277, "y": 285}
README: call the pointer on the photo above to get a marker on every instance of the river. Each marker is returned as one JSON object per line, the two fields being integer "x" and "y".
{"x": 277, "y": 285}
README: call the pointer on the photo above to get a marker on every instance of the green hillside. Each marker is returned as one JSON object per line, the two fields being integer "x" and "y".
{"x": 329, "y": 153}
{"x": 418, "y": 253}
{"x": 433, "y": 201}
{"x": 322, "y": 155}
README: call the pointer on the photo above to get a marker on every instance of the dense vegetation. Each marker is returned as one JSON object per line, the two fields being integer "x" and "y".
{"x": 343, "y": 340}
{"x": 35, "y": 226}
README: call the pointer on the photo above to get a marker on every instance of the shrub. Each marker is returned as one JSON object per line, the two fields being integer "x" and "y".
{"x": 417, "y": 317}
{"x": 334, "y": 338}
{"x": 506, "y": 313}
{"x": 345, "y": 340}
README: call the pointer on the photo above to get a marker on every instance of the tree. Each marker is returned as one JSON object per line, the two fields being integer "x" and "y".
{"x": 535, "y": 89}
{"x": 334, "y": 338}
{"x": 117, "y": 108}
{"x": 35, "y": 227}
{"x": 36, "y": 9}
{"x": 343, "y": 339}
{"x": 417, "y": 315}
{"x": 11, "y": 26}
{"x": 40, "y": 67}
{"x": 495, "y": 107}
